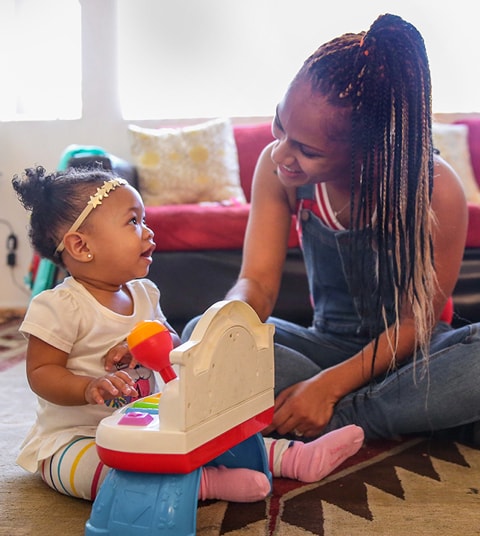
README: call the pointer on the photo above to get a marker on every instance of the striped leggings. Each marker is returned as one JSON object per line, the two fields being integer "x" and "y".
{"x": 75, "y": 469}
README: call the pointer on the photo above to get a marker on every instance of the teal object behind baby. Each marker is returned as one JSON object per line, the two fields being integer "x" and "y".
{"x": 78, "y": 150}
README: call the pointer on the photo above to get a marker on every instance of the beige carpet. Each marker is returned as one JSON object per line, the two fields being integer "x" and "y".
{"x": 407, "y": 488}
{"x": 27, "y": 506}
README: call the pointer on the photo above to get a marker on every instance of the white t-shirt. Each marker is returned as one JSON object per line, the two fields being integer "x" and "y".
{"x": 69, "y": 318}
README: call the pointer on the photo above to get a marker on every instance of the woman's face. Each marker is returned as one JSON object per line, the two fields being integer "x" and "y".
{"x": 313, "y": 139}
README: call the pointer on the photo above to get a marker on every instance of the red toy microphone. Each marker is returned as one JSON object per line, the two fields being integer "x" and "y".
{"x": 150, "y": 343}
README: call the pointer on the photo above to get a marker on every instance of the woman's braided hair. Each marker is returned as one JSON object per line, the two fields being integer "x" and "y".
{"x": 383, "y": 76}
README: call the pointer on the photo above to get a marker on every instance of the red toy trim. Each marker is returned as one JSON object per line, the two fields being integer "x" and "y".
{"x": 188, "y": 462}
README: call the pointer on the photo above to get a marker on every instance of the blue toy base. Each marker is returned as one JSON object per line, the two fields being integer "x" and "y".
{"x": 158, "y": 504}
{"x": 145, "y": 504}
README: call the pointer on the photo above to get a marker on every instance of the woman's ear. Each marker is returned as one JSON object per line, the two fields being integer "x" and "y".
{"x": 76, "y": 246}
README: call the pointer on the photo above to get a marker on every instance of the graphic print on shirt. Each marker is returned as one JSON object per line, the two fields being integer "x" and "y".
{"x": 144, "y": 385}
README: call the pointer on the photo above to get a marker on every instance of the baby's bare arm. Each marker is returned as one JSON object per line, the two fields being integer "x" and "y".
{"x": 50, "y": 379}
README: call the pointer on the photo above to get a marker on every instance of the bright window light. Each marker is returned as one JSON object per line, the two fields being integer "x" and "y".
{"x": 204, "y": 58}
{"x": 40, "y": 60}
{"x": 209, "y": 58}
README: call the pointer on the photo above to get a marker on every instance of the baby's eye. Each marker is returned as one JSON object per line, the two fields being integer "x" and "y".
{"x": 134, "y": 220}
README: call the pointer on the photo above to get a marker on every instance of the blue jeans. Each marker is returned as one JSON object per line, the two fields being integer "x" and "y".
{"x": 412, "y": 399}
{"x": 415, "y": 398}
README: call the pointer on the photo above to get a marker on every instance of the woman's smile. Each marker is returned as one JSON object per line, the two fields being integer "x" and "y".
{"x": 289, "y": 174}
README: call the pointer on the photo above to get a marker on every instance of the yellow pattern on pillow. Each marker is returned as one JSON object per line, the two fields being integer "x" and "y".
{"x": 192, "y": 164}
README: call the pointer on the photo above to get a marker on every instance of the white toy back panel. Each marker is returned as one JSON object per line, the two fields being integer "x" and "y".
{"x": 226, "y": 365}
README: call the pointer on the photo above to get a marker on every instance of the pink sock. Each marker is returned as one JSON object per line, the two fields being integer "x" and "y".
{"x": 236, "y": 485}
{"x": 310, "y": 462}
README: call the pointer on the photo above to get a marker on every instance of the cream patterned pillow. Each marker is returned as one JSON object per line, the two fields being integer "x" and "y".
{"x": 187, "y": 165}
{"x": 452, "y": 142}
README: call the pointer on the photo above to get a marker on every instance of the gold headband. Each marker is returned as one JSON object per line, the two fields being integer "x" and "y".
{"x": 95, "y": 200}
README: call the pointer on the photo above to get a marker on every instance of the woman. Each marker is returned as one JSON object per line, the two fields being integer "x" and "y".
{"x": 382, "y": 222}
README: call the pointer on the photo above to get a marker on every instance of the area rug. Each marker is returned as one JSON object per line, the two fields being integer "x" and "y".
{"x": 12, "y": 343}
{"x": 409, "y": 487}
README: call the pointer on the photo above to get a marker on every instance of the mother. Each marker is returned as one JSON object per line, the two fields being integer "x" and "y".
{"x": 382, "y": 221}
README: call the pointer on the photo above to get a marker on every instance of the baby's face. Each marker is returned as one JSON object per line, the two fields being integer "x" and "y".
{"x": 120, "y": 242}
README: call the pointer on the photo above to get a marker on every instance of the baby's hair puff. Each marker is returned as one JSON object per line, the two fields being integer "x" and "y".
{"x": 55, "y": 200}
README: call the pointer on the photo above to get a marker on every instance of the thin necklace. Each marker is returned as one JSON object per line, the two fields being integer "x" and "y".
{"x": 338, "y": 212}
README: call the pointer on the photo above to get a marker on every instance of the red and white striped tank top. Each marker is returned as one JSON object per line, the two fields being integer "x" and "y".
{"x": 322, "y": 208}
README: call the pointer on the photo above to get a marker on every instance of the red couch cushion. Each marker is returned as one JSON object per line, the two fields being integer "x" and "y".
{"x": 473, "y": 143}
{"x": 195, "y": 227}
{"x": 473, "y": 231}
{"x": 251, "y": 139}
{"x": 201, "y": 227}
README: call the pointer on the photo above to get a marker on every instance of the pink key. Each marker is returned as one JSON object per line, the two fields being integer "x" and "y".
{"x": 136, "y": 418}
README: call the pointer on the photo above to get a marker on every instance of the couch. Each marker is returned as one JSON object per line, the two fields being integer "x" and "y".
{"x": 199, "y": 245}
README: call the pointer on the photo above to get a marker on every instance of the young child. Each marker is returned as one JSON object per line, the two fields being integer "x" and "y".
{"x": 93, "y": 224}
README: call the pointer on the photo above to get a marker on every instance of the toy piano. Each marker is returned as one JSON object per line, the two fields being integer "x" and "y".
{"x": 209, "y": 412}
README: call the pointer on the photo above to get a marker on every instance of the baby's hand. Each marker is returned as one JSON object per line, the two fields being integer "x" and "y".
{"x": 119, "y": 357}
{"x": 110, "y": 386}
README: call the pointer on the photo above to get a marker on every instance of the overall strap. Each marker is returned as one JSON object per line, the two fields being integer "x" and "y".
{"x": 307, "y": 191}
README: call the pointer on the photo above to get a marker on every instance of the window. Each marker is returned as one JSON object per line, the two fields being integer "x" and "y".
{"x": 204, "y": 58}
{"x": 40, "y": 59}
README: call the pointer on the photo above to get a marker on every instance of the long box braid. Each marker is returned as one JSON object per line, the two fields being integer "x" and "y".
{"x": 383, "y": 76}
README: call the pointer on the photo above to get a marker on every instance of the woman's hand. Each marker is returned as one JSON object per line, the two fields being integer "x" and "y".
{"x": 304, "y": 408}
{"x": 109, "y": 386}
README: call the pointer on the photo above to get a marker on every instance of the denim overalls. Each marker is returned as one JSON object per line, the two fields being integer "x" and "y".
{"x": 410, "y": 399}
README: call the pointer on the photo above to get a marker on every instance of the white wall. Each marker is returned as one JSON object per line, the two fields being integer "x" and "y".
{"x": 24, "y": 144}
